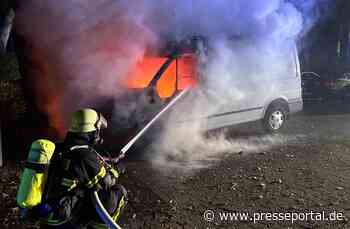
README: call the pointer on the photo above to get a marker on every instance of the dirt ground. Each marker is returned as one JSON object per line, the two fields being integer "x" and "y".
{"x": 309, "y": 173}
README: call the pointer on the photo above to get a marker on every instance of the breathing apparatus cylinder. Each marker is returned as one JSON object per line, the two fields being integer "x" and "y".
{"x": 34, "y": 175}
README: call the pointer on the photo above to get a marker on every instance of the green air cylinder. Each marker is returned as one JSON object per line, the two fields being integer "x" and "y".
{"x": 34, "y": 175}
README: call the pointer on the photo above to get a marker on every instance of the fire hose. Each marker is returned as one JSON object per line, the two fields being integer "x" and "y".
{"x": 100, "y": 209}
{"x": 124, "y": 150}
{"x": 102, "y": 212}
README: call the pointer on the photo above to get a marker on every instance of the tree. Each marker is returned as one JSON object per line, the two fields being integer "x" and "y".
{"x": 12, "y": 104}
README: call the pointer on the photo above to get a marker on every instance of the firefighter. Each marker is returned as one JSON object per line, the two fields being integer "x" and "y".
{"x": 77, "y": 171}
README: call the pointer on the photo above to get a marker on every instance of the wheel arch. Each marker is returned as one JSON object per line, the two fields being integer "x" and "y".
{"x": 279, "y": 101}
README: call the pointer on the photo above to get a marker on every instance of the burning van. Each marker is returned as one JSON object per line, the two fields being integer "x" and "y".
{"x": 270, "y": 98}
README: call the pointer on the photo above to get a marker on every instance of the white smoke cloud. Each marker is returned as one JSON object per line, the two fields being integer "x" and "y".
{"x": 236, "y": 71}
{"x": 176, "y": 152}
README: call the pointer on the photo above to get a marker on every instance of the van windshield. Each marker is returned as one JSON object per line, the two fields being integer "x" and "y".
{"x": 166, "y": 74}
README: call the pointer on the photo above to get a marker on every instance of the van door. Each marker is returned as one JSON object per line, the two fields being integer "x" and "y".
{"x": 235, "y": 85}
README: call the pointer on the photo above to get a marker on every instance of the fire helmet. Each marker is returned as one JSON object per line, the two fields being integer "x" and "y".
{"x": 87, "y": 120}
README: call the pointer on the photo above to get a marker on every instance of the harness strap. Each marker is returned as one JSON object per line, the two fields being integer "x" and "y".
{"x": 38, "y": 167}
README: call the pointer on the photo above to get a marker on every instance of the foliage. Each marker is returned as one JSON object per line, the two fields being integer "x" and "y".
{"x": 9, "y": 69}
{"x": 12, "y": 103}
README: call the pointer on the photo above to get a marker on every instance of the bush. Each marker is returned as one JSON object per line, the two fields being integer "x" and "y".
{"x": 9, "y": 69}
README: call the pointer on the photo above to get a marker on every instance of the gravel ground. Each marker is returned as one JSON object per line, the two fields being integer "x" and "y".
{"x": 310, "y": 172}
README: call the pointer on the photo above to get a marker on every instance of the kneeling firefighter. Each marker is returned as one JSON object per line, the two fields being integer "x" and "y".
{"x": 78, "y": 189}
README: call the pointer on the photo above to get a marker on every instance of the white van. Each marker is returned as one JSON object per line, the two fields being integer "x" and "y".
{"x": 269, "y": 98}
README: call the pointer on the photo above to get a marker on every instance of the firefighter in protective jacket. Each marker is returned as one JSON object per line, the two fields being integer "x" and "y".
{"x": 75, "y": 172}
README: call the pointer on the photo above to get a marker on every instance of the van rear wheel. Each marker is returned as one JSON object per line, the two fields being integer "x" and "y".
{"x": 275, "y": 118}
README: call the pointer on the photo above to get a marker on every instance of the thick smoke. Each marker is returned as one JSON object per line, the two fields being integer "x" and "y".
{"x": 91, "y": 46}
{"x": 252, "y": 43}
{"x": 81, "y": 50}
{"x": 238, "y": 75}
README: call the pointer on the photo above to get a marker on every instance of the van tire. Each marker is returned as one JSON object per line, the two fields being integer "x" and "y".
{"x": 275, "y": 117}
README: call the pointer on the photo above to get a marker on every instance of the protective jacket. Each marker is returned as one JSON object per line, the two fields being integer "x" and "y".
{"x": 75, "y": 172}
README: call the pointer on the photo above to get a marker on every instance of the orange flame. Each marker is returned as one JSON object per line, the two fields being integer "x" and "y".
{"x": 185, "y": 68}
